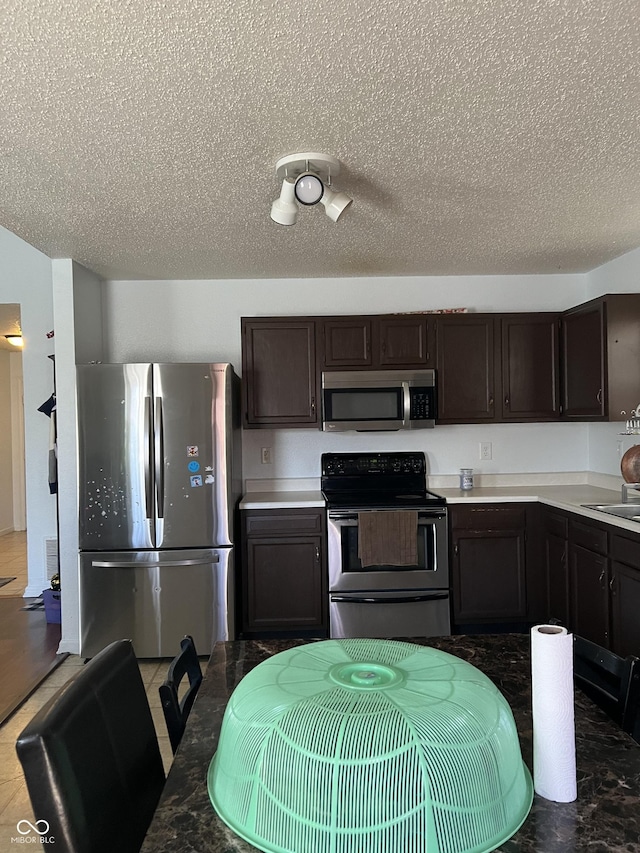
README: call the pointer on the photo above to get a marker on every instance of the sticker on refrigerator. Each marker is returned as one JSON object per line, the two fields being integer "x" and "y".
{"x": 196, "y": 480}
{"x": 209, "y": 479}
{"x": 192, "y": 450}
{"x": 193, "y": 466}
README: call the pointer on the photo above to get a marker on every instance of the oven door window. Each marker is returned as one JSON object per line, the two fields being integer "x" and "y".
{"x": 372, "y": 404}
{"x": 351, "y": 562}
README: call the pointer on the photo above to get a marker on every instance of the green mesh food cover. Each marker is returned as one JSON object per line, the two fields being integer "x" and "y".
{"x": 346, "y": 746}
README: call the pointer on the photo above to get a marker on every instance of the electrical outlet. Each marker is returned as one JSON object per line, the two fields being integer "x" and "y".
{"x": 266, "y": 456}
{"x": 485, "y": 450}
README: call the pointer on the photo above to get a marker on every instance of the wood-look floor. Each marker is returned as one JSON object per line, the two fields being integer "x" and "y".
{"x": 28, "y": 647}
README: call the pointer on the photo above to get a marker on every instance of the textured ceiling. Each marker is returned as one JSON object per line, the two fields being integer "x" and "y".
{"x": 476, "y": 136}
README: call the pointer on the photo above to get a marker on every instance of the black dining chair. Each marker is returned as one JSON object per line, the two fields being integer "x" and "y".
{"x": 612, "y": 682}
{"x": 176, "y": 707}
{"x": 91, "y": 758}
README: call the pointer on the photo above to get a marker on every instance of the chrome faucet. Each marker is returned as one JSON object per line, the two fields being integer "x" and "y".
{"x": 626, "y": 487}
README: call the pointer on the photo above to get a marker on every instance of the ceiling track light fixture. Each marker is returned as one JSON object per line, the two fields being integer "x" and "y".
{"x": 306, "y": 178}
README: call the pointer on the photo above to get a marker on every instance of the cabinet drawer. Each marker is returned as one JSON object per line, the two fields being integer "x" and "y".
{"x": 589, "y": 537}
{"x": 487, "y": 517}
{"x": 278, "y": 522}
{"x": 625, "y": 551}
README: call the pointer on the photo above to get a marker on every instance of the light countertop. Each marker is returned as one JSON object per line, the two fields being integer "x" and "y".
{"x": 285, "y": 499}
{"x": 565, "y": 497}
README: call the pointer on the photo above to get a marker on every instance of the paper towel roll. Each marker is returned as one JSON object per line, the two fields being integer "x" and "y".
{"x": 554, "y": 736}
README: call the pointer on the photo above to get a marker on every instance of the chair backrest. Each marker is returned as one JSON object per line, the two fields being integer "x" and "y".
{"x": 91, "y": 758}
{"x": 610, "y": 681}
{"x": 176, "y": 709}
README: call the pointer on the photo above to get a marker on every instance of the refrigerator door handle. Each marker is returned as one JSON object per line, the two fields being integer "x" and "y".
{"x": 148, "y": 455}
{"x": 159, "y": 458}
{"x": 130, "y": 564}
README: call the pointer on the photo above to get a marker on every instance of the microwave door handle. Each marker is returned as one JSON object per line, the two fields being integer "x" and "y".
{"x": 406, "y": 405}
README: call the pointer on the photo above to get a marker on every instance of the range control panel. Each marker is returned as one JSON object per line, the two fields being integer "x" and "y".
{"x": 372, "y": 464}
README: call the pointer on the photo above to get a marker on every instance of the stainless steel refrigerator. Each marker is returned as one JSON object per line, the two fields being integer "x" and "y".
{"x": 159, "y": 482}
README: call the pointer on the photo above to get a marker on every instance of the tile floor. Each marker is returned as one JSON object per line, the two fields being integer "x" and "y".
{"x": 13, "y": 562}
{"x": 14, "y": 799}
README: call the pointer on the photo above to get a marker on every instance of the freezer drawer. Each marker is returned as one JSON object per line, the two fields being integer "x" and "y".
{"x": 415, "y": 613}
{"x": 154, "y": 598}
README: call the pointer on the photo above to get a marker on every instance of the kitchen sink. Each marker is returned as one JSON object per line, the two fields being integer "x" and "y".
{"x": 628, "y": 511}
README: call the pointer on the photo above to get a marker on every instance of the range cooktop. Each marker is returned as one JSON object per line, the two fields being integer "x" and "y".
{"x": 371, "y": 480}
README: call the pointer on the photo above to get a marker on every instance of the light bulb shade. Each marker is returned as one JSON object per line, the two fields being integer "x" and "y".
{"x": 309, "y": 189}
{"x": 335, "y": 203}
{"x": 14, "y": 340}
{"x": 284, "y": 210}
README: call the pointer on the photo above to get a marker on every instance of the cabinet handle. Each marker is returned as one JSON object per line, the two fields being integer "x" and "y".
{"x": 506, "y": 402}
{"x": 317, "y": 553}
{"x": 599, "y": 396}
{"x": 491, "y": 402}
{"x": 313, "y": 405}
{"x": 612, "y": 584}
{"x": 455, "y": 550}
{"x": 601, "y": 579}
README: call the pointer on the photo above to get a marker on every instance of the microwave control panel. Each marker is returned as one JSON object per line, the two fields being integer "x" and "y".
{"x": 421, "y": 406}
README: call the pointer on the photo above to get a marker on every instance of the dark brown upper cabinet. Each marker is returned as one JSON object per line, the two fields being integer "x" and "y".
{"x": 530, "y": 367}
{"x": 466, "y": 359}
{"x": 406, "y": 341}
{"x": 498, "y": 367}
{"x": 600, "y": 352}
{"x": 280, "y": 378}
{"x": 347, "y": 342}
{"x": 374, "y": 342}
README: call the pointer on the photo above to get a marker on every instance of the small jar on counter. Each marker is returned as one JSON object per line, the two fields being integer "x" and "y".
{"x": 466, "y": 479}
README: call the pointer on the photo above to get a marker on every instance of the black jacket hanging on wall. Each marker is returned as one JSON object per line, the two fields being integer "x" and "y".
{"x": 48, "y": 408}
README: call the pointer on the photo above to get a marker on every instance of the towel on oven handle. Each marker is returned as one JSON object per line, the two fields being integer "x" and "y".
{"x": 388, "y": 538}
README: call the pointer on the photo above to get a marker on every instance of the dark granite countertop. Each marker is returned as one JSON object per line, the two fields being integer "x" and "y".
{"x": 605, "y": 817}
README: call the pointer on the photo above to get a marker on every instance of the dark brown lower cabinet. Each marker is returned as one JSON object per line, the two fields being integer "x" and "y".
{"x": 555, "y": 542}
{"x": 624, "y": 584}
{"x": 488, "y": 547}
{"x": 284, "y": 585}
{"x": 589, "y": 580}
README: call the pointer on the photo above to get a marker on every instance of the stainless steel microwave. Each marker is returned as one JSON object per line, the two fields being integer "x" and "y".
{"x": 368, "y": 400}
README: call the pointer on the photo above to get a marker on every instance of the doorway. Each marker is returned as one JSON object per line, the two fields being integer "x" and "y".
{"x": 13, "y": 539}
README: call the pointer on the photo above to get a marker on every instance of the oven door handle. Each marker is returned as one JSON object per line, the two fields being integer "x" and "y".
{"x": 403, "y": 599}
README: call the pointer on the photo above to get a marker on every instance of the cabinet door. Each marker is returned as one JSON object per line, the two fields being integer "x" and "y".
{"x": 583, "y": 351}
{"x": 625, "y": 609}
{"x": 556, "y": 563}
{"x": 283, "y": 584}
{"x": 589, "y": 595}
{"x": 530, "y": 367}
{"x": 466, "y": 375}
{"x": 279, "y": 373}
{"x": 404, "y": 342}
{"x": 347, "y": 342}
{"x": 488, "y": 576}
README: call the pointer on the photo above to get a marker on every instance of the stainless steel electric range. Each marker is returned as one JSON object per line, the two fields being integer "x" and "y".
{"x": 394, "y": 597}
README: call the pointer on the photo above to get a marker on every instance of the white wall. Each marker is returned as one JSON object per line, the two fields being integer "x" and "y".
{"x": 77, "y": 297}
{"x": 25, "y": 279}
{"x": 621, "y": 275}
{"x": 200, "y": 320}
